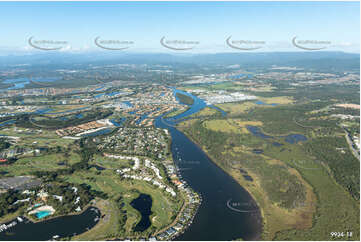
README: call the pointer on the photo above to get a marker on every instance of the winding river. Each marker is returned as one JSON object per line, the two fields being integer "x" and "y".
{"x": 220, "y": 216}
{"x": 224, "y": 213}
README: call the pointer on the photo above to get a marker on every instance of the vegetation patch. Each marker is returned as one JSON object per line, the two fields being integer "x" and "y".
{"x": 278, "y": 100}
{"x": 234, "y": 109}
{"x": 185, "y": 99}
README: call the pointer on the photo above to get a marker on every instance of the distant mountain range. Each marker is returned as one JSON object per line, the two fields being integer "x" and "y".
{"x": 317, "y": 59}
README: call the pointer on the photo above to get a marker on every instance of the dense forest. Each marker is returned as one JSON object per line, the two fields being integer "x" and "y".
{"x": 7, "y": 202}
{"x": 344, "y": 166}
{"x": 4, "y": 144}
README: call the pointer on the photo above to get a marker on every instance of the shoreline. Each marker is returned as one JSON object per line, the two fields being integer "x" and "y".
{"x": 263, "y": 219}
{"x": 59, "y": 216}
{"x": 13, "y": 217}
{"x": 261, "y": 235}
{"x": 194, "y": 210}
{"x": 19, "y": 218}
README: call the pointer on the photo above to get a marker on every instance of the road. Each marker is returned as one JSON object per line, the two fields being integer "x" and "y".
{"x": 350, "y": 144}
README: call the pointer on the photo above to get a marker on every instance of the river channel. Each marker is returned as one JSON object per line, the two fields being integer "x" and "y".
{"x": 224, "y": 213}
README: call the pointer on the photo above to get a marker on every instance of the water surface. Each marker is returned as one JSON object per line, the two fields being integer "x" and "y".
{"x": 45, "y": 230}
{"x": 143, "y": 204}
{"x": 19, "y": 83}
{"x": 291, "y": 138}
{"x": 214, "y": 219}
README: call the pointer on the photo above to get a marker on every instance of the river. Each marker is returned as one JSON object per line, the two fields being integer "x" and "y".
{"x": 224, "y": 213}
{"x": 215, "y": 220}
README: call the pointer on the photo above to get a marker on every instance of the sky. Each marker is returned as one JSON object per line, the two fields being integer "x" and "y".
{"x": 271, "y": 26}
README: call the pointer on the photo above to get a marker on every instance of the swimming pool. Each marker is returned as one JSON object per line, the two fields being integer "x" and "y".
{"x": 42, "y": 214}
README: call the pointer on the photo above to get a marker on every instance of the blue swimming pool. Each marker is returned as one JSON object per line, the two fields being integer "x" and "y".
{"x": 42, "y": 214}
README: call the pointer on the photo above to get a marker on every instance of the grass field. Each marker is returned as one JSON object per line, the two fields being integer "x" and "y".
{"x": 278, "y": 100}
{"x": 164, "y": 208}
{"x": 207, "y": 111}
{"x": 230, "y": 125}
{"x": 176, "y": 112}
{"x": 110, "y": 163}
{"x": 107, "y": 227}
{"x": 38, "y": 137}
{"x": 27, "y": 165}
{"x": 220, "y": 125}
{"x": 63, "y": 108}
{"x": 236, "y": 108}
{"x": 230, "y": 86}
